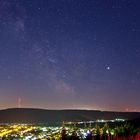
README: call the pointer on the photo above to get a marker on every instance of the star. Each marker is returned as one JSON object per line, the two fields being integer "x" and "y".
{"x": 108, "y": 68}
{"x": 39, "y": 8}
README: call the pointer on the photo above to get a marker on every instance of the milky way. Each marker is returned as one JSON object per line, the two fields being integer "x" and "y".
{"x": 60, "y": 54}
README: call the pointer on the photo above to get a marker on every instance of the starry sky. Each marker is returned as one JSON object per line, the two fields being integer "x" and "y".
{"x": 70, "y": 54}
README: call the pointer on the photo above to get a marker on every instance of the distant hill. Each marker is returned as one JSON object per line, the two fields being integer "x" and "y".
{"x": 26, "y": 115}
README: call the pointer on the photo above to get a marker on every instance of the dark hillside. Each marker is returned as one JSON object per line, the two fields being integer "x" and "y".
{"x": 26, "y": 115}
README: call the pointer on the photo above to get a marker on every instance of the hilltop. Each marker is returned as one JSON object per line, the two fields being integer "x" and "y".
{"x": 28, "y": 115}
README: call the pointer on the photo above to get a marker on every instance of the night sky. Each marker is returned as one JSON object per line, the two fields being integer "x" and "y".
{"x": 70, "y": 54}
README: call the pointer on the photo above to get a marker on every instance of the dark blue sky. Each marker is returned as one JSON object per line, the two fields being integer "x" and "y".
{"x": 70, "y": 54}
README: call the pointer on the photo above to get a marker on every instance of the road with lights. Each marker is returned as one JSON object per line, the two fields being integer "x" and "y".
{"x": 67, "y": 130}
